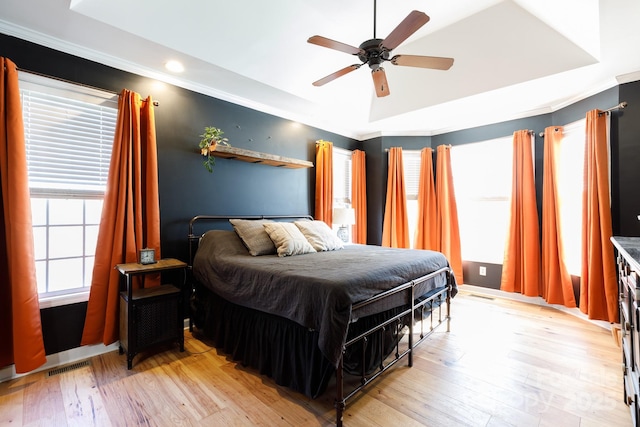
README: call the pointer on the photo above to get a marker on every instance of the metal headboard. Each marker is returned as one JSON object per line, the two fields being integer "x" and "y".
{"x": 194, "y": 239}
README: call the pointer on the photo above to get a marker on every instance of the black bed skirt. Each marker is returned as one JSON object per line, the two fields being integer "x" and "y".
{"x": 284, "y": 350}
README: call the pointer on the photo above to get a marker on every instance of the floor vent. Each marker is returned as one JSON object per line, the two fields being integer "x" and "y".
{"x": 67, "y": 368}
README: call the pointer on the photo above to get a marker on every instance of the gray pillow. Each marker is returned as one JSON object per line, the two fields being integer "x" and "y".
{"x": 254, "y": 236}
{"x": 321, "y": 237}
{"x": 288, "y": 239}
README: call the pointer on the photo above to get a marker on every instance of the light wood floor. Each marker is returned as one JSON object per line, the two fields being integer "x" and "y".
{"x": 503, "y": 363}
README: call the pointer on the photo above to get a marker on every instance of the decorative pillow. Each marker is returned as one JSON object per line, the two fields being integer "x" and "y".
{"x": 254, "y": 236}
{"x": 288, "y": 239}
{"x": 320, "y": 235}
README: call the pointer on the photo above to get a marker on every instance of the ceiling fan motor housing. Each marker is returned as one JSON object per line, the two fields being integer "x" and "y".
{"x": 374, "y": 54}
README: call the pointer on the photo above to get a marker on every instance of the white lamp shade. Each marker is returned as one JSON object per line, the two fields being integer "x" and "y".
{"x": 344, "y": 216}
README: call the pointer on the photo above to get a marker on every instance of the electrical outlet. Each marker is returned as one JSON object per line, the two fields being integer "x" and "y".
{"x": 483, "y": 271}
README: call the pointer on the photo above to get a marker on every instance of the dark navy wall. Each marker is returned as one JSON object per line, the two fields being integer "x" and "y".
{"x": 578, "y": 110}
{"x": 234, "y": 187}
{"x": 186, "y": 188}
{"x": 483, "y": 133}
{"x": 377, "y": 165}
{"x": 377, "y": 158}
{"x": 376, "y": 183}
{"x": 625, "y": 163}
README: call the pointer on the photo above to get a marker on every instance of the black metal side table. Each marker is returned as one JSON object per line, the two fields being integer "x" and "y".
{"x": 150, "y": 316}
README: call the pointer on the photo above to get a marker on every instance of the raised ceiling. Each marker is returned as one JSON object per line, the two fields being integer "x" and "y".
{"x": 513, "y": 58}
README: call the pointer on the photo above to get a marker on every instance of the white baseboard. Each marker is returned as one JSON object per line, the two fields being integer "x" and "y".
{"x": 60, "y": 359}
{"x": 66, "y": 357}
{"x": 497, "y": 293}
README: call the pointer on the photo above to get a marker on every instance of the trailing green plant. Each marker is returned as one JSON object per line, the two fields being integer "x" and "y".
{"x": 209, "y": 141}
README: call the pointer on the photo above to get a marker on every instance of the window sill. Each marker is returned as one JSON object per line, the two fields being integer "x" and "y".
{"x": 50, "y": 302}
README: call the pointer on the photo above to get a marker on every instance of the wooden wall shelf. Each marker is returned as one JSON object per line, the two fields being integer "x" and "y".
{"x": 227, "y": 152}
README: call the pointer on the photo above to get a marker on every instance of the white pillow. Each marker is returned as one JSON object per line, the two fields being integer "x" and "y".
{"x": 320, "y": 235}
{"x": 253, "y": 235}
{"x": 288, "y": 239}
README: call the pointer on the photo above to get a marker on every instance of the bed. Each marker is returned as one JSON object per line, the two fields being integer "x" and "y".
{"x": 303, "y": 317}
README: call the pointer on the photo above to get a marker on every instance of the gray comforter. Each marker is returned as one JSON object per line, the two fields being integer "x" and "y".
{"x": 315, "y": 290}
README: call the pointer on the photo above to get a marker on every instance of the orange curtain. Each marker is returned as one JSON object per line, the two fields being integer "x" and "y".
{"x": 324, "y": 182}
{"x": 427, "y": 229}
{"x": 521, "y": 266}
{"x": 395, "y": 228}
{"x": 447, "y": 229}
{"x": 21, "y": 340}
{"x": 359, "y": 196}
{"x": 130, "y": 216}
{"x": 598, "y": 286}
{"x": 556, "y": 280}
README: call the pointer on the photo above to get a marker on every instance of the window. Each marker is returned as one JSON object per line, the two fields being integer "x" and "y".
{"x": 341, "y": 177}
{"x": 69, "y": 131}
{"x": 411, "y": 160}
{"x": 342, "y": 186}
{"x": 570, "y": 183}
{"x": 482, "y": 181}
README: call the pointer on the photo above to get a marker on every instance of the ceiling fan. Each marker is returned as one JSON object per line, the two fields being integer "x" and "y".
{"x": 376, "y": 51}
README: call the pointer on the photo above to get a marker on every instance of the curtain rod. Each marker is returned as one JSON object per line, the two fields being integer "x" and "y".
{"x": 386, "y": 150}
{"x": 35, "y": 73}
{"x": 620, "y": 106}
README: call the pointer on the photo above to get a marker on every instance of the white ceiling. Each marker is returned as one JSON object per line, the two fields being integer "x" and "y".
{"x": 513, "y": 58}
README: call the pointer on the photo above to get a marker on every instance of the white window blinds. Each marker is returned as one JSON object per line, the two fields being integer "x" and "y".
{"x": 341, "y": 176}
{"x": 68, "y": 140}
{"x": 411, "y": 166}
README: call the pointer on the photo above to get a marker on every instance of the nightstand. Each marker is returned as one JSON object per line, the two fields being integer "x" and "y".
{"x": 150, "y": 316}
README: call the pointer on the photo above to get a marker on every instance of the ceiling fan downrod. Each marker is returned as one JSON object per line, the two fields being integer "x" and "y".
{"x": 374, "y": 18}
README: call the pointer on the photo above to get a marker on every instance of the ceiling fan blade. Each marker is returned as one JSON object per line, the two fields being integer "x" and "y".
{"x": 337, "y": 74}
{"x": 332, "y": 44}
{"x": 406, "y": 28}
{"x": 380, "y": 82}
{"x": 434, "y": 62}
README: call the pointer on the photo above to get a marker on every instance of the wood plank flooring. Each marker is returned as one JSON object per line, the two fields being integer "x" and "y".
{"x": 503, "y": 363}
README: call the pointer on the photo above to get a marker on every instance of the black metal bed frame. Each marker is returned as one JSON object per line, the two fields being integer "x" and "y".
{"x": 430, "y": 305}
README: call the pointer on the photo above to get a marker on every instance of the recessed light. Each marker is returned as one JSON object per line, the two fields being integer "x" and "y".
{"x": 174, "y": 66}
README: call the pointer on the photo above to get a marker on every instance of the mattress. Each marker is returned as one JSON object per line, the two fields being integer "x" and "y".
{"x": 317, "y": 290}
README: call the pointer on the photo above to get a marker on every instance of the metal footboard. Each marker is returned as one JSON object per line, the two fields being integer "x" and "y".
{"x": 433, "y": 305}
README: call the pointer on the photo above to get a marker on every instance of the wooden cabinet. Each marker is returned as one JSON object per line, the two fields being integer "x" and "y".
{"x": 150, "y": 316}
{"x": 628, "y": 264}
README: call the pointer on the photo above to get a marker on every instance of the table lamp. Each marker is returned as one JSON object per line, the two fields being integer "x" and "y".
{"x": 344, "y": 217}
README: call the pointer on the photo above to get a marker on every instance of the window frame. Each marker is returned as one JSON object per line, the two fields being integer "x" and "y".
{"x": 484, "y": 201}
{"x": 73, "y": 92}
{"x": 346, "y": 171}
{"x": 412, "y": 162}
{"x": 570, "y": 187}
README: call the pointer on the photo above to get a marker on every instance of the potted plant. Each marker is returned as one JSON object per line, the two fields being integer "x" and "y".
{"x": 211, "y": 137}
